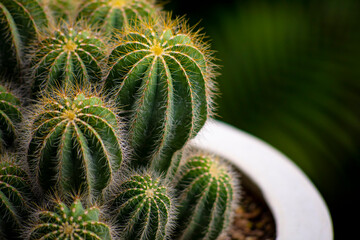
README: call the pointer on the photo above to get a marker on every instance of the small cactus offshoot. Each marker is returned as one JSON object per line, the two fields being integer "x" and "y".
{"x": 69, "y": 57}
{"x": 74, "y": 222}
{"x": 162, "y": 73}
{"x": 207, "y": 198}
{"x": 14, "y": 191}
{"x": 143, "y": 208}
{"x": 10, "y": 116}
{"x": 116, "y": 14}
{"x": 75, "y": 143}
{"x": 20, "y": 23}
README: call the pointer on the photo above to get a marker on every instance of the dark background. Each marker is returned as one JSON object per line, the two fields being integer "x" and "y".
{"x": 291, "y": 76}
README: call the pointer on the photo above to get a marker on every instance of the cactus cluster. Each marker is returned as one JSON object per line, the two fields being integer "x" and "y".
{"x": 111, "y": 93}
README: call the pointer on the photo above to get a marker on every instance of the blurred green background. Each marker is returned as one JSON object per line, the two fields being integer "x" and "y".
{"x": 291, "y": 76}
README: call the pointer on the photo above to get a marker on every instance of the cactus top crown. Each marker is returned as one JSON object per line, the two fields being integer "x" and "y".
{"x": 118, "y": 3}
{"x": 70, "y": 223}
{"x": 67, "y": 56}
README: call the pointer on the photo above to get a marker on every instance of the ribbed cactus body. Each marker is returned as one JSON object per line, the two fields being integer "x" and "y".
{"x": 75, "y": 143}
{"x": 143, "y": 209}
{"x": 20, "y": 22}
{"x": 62, "y": 10}
{"x": 207, "y": 199}
{"x": 162, "y": 76}
{"x": 10, "y": 116}
{"x": 116, "y": 14}
{"x": 71, "y": 56}
{"x": 65, "y": 223}
{"x": 14, "y": 190}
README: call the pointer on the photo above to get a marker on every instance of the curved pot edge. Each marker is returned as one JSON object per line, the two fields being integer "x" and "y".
{"x": 299, "y": 210}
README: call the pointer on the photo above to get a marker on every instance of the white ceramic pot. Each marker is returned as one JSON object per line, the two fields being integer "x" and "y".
{"x": 299, "y": 210}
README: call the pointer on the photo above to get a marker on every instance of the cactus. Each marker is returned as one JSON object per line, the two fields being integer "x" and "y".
{"x": 143, "y": 208}
{"x": 69, "y": 56}
{"x": 10, "y": 116}
{"x": 20, "y": 23}
{"x": 207, "y": 198}
{"x": 116, "y": 14}
{"x": 162, "y": 74}
{"x": 75, "y": 143}
{"x": 61, "y": 10}
{"x": 74, "y": 222}
{"x": 14, "y": 191}
{"x": 75, "y": 140}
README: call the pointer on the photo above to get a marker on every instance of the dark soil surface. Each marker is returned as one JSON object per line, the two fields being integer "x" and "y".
{"x": 253, "y": 219}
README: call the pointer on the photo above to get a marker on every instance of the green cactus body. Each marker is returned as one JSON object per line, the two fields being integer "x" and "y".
{"x": 65, "y": 223}
{"x": 116, "y": 14}
{"x": 20, "y": 21}
{"x": 14, "y": 190}
{"x": 75, "y": 145}
{"x": 162, "y": 75}
{"x": 207, "y": 199}
{"x": 10, "y": 116}
{"x": 71, "y": 56}
{"x": 61, "y": 10}
{"x": 143, "y": 209}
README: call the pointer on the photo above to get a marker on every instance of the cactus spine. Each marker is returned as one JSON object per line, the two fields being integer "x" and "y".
{"x": 70, "y": 56}
{"x": 116, "y": 14}
{"x": 74, "y": 222}
{"x": 20, "y": 21}
{"x": 14, "y": 190}
{"x": 10, "y": 116}
{"x": 143, "y": 208}
{"x": 162, "y": 74}
{"x": 207, "y": 198}
{"x": 75, "y": 143}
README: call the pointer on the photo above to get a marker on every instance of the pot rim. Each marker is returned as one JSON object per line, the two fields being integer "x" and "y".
{"x": 299, "y": 210}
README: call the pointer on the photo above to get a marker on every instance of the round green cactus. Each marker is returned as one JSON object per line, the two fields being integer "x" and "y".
{"x": 20, "y": 23}
{"x": 10, "y": 116}
{"x": 68, "y": 57}
{"x": 162, "y": 74}
{"x": 207, "y": 198}
{"x": 75, "y": 143}
{"x": 65, "y": 223}
{"x": 14, "y": 191}
{"x": 116, "y": 14}
{"x": 143, "y": 208}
